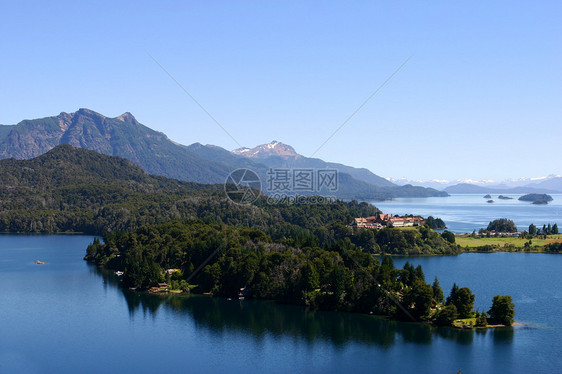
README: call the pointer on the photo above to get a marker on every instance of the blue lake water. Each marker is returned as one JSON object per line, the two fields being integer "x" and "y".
{"x": 68, "y": 317}
{"x": 465, "y": 213}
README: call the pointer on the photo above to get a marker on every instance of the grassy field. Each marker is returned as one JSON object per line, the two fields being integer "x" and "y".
{"x": 470, "y": 242}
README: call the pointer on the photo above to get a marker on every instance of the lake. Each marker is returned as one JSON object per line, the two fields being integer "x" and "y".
{"x": 67, "y": 316}
{"x": 465, "y": 213}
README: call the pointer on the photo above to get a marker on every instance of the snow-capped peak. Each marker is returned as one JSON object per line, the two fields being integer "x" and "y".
{"x": 274, "y": 148}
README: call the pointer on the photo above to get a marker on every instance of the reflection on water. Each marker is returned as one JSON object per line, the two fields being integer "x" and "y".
{"x": 260, "y": 318}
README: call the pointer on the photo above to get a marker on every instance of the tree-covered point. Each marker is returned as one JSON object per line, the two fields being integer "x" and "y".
{"x": 502, "y": 225}
{"x": 226, "y": 260}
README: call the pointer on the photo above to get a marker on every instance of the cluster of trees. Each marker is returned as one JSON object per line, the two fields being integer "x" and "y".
{"x": 501, "y": 225}
{"x": 460, "y": 304}
{"x": 435, "y": 223}
{"x": 546, "y": 230}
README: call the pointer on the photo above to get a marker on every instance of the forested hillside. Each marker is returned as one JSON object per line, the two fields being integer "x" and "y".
{"x": 76, "y": 190}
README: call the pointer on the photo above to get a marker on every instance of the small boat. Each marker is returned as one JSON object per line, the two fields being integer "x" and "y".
{"x": 119, "y": 273}
{"x": 40, "y": 262}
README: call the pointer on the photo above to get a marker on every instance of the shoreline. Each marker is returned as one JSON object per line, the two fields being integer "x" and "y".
{"x": 179, "y": 293}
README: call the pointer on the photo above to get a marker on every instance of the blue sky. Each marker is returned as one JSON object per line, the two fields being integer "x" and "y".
{"x": 480, "y": 98}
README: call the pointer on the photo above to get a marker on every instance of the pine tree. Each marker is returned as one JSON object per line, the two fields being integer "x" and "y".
{"x": 437, "y": 291}
{"x": 555, "y": 229}
{"x": 419, "y": 273}
{"x": 453, "y": 294}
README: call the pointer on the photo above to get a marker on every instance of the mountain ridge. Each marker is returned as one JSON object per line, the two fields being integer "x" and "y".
{"x": 121, "y": 136}
{"x": 126, "y": 137}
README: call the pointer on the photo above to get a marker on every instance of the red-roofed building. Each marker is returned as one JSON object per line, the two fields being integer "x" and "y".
{"x": 387, "y": 220}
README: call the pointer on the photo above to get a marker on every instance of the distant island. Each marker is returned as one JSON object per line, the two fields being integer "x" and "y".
{"x": 488, "y": 196}
{"x": 536, "y": 198}
{"x": 490, "y": 201}
{"x": 502, "y": 197}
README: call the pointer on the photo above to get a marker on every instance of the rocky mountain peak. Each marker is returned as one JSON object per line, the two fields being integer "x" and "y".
{"x": 128, "y": 118}
{"x": 88, "y": 112}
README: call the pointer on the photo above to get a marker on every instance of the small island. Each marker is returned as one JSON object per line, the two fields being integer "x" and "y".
{"x": 536, "y": 198}
{"x": 490, "y": 201}
{"x": 502, "y": 197}
{"x": 488, "y": 196}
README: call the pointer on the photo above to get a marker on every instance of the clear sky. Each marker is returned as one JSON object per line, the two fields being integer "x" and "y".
{"x": 480, "y": 98}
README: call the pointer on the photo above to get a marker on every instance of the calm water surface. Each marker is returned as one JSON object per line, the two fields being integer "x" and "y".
{"x": 465, "y": 213}
{"x": 68, "y": 317}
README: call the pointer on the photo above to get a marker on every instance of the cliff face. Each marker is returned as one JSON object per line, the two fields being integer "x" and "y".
{"x": 122, "y": 136}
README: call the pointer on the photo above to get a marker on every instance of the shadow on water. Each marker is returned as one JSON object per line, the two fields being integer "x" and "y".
{"x": 262, "y": 318}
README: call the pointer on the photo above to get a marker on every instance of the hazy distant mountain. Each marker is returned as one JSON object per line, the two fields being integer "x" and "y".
{"x": 122, "y": 136}
{"x": 438, "y": 184}
{"x": 467, "y": 188}
{"x": 279, "y": 155}
{"x": 551, "y": 183}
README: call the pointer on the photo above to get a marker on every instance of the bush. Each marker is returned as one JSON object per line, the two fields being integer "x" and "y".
{"x": 446, "y": 316}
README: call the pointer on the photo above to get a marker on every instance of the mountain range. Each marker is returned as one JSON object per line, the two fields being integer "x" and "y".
{"x": 124, "y": 136}
{"x": 547, "y": 184}
{"x": 467, "y": 188}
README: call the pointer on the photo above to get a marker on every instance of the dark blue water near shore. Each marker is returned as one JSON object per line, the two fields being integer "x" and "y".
{"x": 69, "y": 317}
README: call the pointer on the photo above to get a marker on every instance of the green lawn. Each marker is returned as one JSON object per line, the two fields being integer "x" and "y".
{"x": 468, "y": 241}
{"x": 465, "y": 321}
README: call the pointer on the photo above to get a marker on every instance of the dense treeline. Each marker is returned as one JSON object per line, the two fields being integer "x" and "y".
{"x": 70, "y": 189}
{"x": 226, "y": 260}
